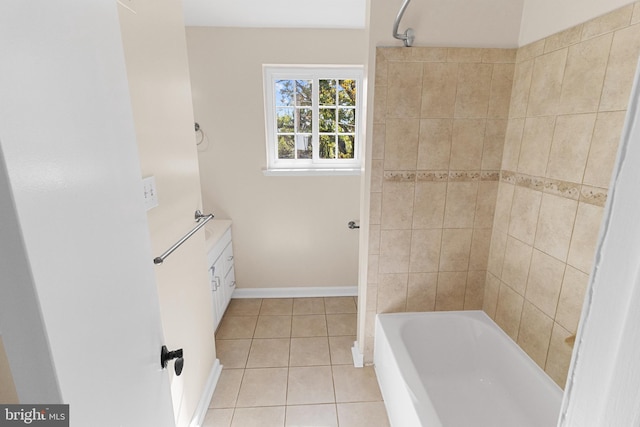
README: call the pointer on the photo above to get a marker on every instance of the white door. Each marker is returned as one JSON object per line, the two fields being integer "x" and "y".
{"x": 78, "y": 303}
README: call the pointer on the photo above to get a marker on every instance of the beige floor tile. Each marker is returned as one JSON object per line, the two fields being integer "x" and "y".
{"x": 226, "y": 393}
{"x": 341, "y": 324}
{"x": 356, "y": 384}
{"x": 312, "y": 325}
{"x": 218, "y": 418}
{"x": 308, "y": 306}
{"x": 277, "y": 306}
{"x": 269, "y": 353}
{"x": 340, "y": 349}
{"x": 244, "y": 307}
{"x": 259, "y": 417}
{"x": 309, "y": 385}
{"x": 312, "y": 415}
{"x": 369, "y": 414}
{"x": 339, "y": 305}
{"x": 256, "y": 382}
{"x": 311, "y": 351}
{"x": 233, "y": 327}
{"x": 233, "y": 353}
{"x": 273, "y": 327}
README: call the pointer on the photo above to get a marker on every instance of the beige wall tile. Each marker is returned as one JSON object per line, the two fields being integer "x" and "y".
{"x": 563, "y": 39}
{"x": 497, "y": 56}
{"x": 604, "y": 147}
{"x": 456, "y": 248}
{"x": 545, "y": 281}
{"x": 480, "y": 244}
{"x": 535, "y": 333}
{"x": 491, "y": 291}
{"x": 375, "y": 208}
{"x": 559, "y": 356}
{"x": 635, "y": 18}
{"x": 451, "y": 290}
{"x": 496, "y": 252}
{"x": 382, "y": 69}
{"x": 374, "y": 239}
{"x": 474, "y": 292}
{"x": 584, "y": 75}
{"x": 434, "y": 146}
{"x": 606, "y": 23}
{"x": 401, "y": 144}
{"x": 460, "y": 204}
{"x": 620, "y": 69}
{"x": 380, "y": 104}
{"x": 512, "y": 144}
{"x": 585, "y": 237}
{"x": 395, "y": 249}
{"x": 493, "y": 147}
{"x": 439, "y": 90}
{"x": 429, "y": 204}
{"x": 392, "y": 293}
{"x": 504, "y": 200}
{"x": 378, "y": 141}
{"x": 466, "y": 144}
{"x": 397, "y": 205}
{"x": 425, "y": 250}
{"x": 536, "y": 144}
{"x": 372, "y": 296}
{"x": 524, "y": 214}
{"x": 377, "y": 175}
{"x": 463, "y": 54}
{"x": 572, "y": 294}
{"x": 509, "y": 311}
{"x": 521, "y": 88}
{"x": 570, "y": 147}
{"x": 429, "y": 54}
{"x": 517, "y": 260}
{"x": 403, "y": 96}
{"x": 501, "y": 84}
{"x": 546, "y": 83}
{"x": 421, "y": 294}
{"x": 555, "y": 225}
{"x": 530, "y": 51}
{"x": 474, "y": 89}
{"x": 486, "y": 204}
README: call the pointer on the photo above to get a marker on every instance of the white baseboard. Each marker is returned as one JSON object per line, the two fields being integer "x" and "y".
{"x": 334, "y": 291}
{"x": 358, "y": 357}
{"x": 209, "y": 387}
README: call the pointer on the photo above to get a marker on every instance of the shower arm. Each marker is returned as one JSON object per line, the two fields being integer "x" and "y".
{"x": 408, "y": 35}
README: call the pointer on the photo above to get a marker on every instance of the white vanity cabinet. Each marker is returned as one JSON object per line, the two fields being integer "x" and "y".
{"x": 220, "y": 261}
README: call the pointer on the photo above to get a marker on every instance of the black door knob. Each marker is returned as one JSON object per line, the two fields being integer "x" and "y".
{"x": 166, "y": 356}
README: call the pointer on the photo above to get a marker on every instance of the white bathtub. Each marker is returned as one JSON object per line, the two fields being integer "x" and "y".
{"x": 459, "y": 369}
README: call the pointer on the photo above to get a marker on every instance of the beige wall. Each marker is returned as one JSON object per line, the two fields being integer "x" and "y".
{"x": 157, "y": 69}
{"x": 541, "y": 18}
{"x": 568, "y": 107}
{"x": 287, "y": 231}
{"x": 439, "y": 124}
{"x": 8, "y": 394}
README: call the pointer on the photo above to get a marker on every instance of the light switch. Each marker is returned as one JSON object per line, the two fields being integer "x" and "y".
{"x": 150, "y": 192}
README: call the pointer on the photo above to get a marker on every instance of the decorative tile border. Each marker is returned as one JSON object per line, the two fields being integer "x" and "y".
{"x": 569, "y": 190}
{"x": 399, "y": 176}
{"x": 441, "y": 176}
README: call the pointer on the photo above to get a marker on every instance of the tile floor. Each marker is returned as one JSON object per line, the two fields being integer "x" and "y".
{"x": 287, "y": 362}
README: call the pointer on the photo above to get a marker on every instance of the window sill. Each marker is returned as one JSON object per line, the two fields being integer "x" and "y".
{"x": 311, "y": 172}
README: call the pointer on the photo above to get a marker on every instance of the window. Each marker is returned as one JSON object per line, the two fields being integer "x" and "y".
{"x": 313, "y": 119}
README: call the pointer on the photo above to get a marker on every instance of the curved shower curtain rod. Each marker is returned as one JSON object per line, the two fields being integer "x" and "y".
{"x": 408, "y": 35}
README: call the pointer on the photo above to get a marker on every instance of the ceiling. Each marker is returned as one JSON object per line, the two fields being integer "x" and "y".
{"x": 275, "y": 13}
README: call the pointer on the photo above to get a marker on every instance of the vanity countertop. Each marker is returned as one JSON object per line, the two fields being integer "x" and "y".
{"x": 214, "y": 230}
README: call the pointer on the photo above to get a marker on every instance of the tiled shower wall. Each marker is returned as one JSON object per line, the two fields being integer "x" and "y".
{"x": 567, "y": 111}
{"x": 439, "y": 125}
{"x": 440, "y": 170}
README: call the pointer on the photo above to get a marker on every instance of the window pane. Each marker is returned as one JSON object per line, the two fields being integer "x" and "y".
{"x": 327, "y": 92}
{"x": 347, "y": 120}
{"x": 345, "y": 145}
{"x": 327, "y": 146}
{"x": 347, "y": 92}
{"x": 304, "y": 146}
{"x": 303, "y": 92}
{"x": 285, "y": 120}
{"x": 305, "y": 120}
{"x": 284, "y": 92}
{"x": 285, "y": 146}
{"x": 327, "y": 120}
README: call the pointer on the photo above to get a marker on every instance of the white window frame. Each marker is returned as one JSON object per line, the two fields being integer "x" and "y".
{"x": 315, "y": 165}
